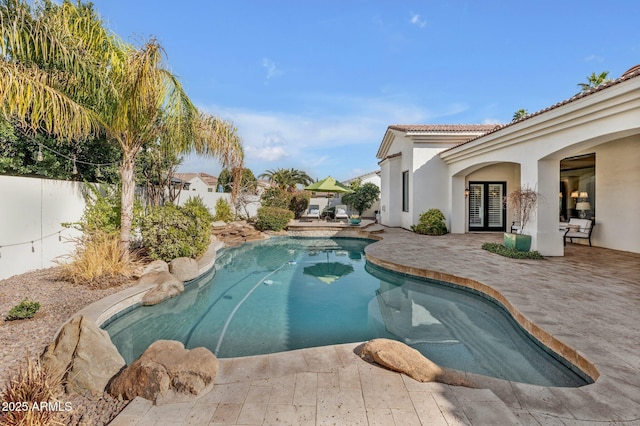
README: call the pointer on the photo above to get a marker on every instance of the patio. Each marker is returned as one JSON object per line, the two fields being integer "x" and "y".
{"x": 588, "y": 301}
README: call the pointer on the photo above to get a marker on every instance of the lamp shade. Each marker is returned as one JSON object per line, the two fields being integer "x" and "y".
{"x": 574, "y": 194}
{"x": 584, "y": 205}
{"x": 584, "y": 195}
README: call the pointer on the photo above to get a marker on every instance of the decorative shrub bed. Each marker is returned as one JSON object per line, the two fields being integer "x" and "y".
{"x": 23, "y": 310}
{"x": 511, "y": 252}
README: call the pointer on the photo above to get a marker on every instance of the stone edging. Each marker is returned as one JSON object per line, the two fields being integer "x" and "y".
{"x": 104, "y": 309}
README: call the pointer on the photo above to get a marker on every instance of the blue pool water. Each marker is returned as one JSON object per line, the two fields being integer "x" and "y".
{"x": 290, "y": 293}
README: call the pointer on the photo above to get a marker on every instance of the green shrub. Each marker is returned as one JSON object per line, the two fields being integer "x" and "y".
{"x": 170, "y": 231}
{"x": 276, "y": 197}
{"x": 511, "y": 252}
{"x": 23, "y": 310}
{"x": 223, "y": 211}
{"x": 273, "y": 218}
{"x": 431, "y": 222}
{"x": 299, "y": 202}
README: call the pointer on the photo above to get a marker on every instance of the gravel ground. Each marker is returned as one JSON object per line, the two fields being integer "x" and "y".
{"x": 59, "y": 300}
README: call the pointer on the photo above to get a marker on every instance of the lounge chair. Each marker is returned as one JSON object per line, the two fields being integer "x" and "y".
{"x": 313, "y": 212}
{"x": 578, "y": 228}
{"x": 341, "y": 212}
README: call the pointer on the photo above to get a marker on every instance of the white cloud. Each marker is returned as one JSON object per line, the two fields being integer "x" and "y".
{"x": 271, "y": 68}
{"x": 593, "y": 58}
{"x": 416, "y": 20}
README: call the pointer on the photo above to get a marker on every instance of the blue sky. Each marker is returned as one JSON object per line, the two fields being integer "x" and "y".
{"x": 313, "y": 85}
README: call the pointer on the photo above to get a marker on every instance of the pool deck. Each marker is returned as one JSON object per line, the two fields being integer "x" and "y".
{"x": 586, "y": 303}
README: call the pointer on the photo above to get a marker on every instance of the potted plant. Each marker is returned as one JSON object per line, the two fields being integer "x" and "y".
{"x": 355, "y": 219}
{"x": 523, "y": 201}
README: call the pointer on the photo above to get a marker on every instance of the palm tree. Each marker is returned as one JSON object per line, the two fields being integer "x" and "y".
{"x": 287, "y": 179}
{"x": 519, "y": 114}
{"x": 62, "y": 72}
{"x": 594, "y": 80}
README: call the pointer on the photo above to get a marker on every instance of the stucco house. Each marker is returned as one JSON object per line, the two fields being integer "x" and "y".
{"x": 582, "y": 155}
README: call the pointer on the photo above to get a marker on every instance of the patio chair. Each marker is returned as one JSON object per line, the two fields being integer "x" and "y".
{"x": 578, "y": 228}
{"x": 313, "y": 212}
{"x": 341, "y": 212}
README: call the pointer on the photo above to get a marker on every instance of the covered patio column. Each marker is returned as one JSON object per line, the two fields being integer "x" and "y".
{"x": 544, "y": 177}
{"x": 458, "y": 205}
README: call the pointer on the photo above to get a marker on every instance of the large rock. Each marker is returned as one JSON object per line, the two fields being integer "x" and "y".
{"x": 166, "y": 373}
{"x": 154, "y": 266}
{"x": 83, "y": 356}
{"x": 167, "y": 286}
{"x": 399, "y": 357}
{"x": 184, "y": 268}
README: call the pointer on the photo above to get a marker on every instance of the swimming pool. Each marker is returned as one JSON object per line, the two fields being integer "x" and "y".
{"x": 290, "y": 293}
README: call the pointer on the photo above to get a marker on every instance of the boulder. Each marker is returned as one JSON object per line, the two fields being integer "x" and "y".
{"x": 184, "y": 268}
{"x": 83, "y": 356}
{"x": 219, "y": 224}
{"x": 167, "y": 286}
{"x": 167, "y": 373}
{"x": 154, "y": 266}
{"x": 399, "y": 357}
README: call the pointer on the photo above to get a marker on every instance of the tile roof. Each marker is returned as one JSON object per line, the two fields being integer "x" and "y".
{"x": 207, "y": 178}
{"x": 444, "y": 127}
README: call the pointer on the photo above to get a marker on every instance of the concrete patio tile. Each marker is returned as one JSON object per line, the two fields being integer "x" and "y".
{"x": 322, "y": 359}
{"x": 287, "y": 363}
{"x": 252, "y": 413}
{"x": 349, "y": 377}
{"x": 449, "y": 406}
{"x": 410, "y": 418}
{"x": 583, "y": 406}
{"x": 306, "y": 389}
{"x": 133, "y": 412}
{"x": 426, "y": 408}
{"x": 258, "y": 395}
{"x": 225, "y": 414}
{"x": 201, "y": 413}
{"x": 167, "y": 414}
{"x": 382, "y": 390}
{"x": 463, "y": 394}
{"x": 233, "y": 393}
{"x": 525, "y": 418}
{"x": 548, "y": 420}
{"x": 242, "y": 369}
{"x": 341, "y": 407}
{"x": 328, "y": 380}
{"x": 380, "y": 417}
{"x": 489, "y": 413}
{"x": 282, "y": 389}
{"x": 290, "y": 415}
{"x": 346, "y": 354}
{"x": 539, "y": 399}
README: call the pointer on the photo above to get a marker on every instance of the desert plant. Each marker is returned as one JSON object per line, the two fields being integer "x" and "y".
{"x": 170, "y": 231}
{"x": 23, "y": 310}
{"x": 431, "y": 222}
{"x": 511, "y": 252}
{"x": 32, "y": 384}
{"x": 98, "y": 261}
{"x": 273, "y": 218}
{"x": 223, "y": 211}
{"x": 523, "y": 201}
{"x": 362, "y": 197}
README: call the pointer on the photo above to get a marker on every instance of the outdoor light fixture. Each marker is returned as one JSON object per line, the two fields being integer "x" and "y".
{"x": 39, "y": 157}
{"x": 466, "y": 192}
{"x": 75, "y": 169}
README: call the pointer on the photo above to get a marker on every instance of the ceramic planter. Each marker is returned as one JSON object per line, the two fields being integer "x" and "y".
{"x": 520, "y": 242}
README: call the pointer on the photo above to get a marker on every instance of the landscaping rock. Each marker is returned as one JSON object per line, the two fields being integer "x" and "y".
{"x": 167, "y": 373}
{"x": 219, "y": 224}
{"x": 83, "y": 356}
{"x": 167, "y": 286}
{"x": 236, "y": 233}
{"x": 184, "y": 268}
{"x": 399, "y": 357}
{"x": 154, "y": 266}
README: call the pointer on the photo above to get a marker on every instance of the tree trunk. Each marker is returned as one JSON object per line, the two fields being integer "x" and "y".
{"x": 128, "y": 197}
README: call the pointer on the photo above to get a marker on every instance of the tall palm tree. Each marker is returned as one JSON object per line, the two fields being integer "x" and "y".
{"x": 64, "y": 73}
{"x": 519, "y": 114}
{"x": 594, "y": 80}
{"x": 287, "y": 179}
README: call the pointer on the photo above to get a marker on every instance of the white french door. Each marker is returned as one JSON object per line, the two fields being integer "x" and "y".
{"x": 486, "y": 207}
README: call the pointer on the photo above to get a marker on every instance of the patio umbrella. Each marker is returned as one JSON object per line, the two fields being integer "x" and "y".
{"x": 328, "y": 272}
{"x": 328, "y": 184}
